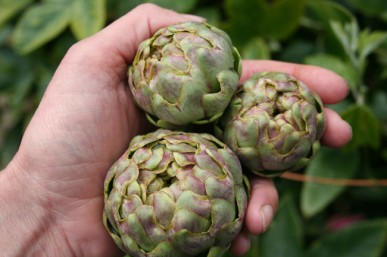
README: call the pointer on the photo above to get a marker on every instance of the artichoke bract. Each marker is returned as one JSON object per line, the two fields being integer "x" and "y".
{"x": 273, "y": 123}
{"x": 185, "y": 73}
{"x": 175, "y": 194}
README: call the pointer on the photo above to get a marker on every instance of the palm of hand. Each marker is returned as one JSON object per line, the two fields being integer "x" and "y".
{"x": 88, "y": 116}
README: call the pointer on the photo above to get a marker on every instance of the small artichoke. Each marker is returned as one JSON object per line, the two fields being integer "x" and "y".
{"x": 185, "y": 73}
{"x": 273, "y": 123}
{"x": 175, "y": 194}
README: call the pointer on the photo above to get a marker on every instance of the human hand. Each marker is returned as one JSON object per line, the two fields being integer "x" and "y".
{"x": 84, "y": 123}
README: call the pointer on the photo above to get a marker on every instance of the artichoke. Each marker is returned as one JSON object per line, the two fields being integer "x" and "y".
{"x": 273, "y": 123}
{"x": 185, "y": 73}
{"x": 175, "y": 194}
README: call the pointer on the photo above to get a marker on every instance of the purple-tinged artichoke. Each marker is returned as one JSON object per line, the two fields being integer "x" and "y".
{"x": 185, "y": 73}
{"x": 175, "y": 194}
{"x": 273, "y": 123}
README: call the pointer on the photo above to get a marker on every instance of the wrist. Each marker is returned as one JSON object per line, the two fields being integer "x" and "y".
{"x": 26, "y": 227}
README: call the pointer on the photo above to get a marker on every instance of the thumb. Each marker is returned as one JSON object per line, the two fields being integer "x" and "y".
{"x": 122, "y": 37}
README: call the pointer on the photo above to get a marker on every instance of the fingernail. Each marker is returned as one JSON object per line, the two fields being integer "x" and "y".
{"x": 349, "y": 128}
{"x": 194, "y": 17}
{"x": 266, "y": 215}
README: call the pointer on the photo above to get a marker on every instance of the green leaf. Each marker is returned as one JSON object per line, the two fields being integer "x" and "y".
{"x": 5, "y": 33}
{"x": 40, "y": 24}
{"x": 327, "y": 11}
{"x": 256, "y": 49}
{"x": 186, "y": 6}
{"x": 211, "y": 14}
{"x": 365, "y": 239}
{"x": 284, "y": 236}
{"x": 10, "y": 145}
{"x": 347, "y": 34}
{"x": 365, "y": 127}
{"x": 123, "y": 7}
{"x": 369, "y": 41}
{"x": 89, "y": 17}
{"x": 297, "y": 50}
{"x": 16, "y": 80}
{"x": 14, "y": 70}
{"x": 383, "y": 16}
{"x": 328, "y": 163}
{"x": 44, "y": 74}
{"x": 337, "y": 65}
{"x": 9, "y": 8}
{"x": 178, "y": 6}
{"x": 269, "y": 19}
{"x": 369, "y": 7}
{"x": 378, "y": 104}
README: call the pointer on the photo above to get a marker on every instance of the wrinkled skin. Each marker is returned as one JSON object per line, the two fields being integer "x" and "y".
{"x": 186, "y": 73}
{"x": 175, "y": 194}
{"x": 273, "y": 123}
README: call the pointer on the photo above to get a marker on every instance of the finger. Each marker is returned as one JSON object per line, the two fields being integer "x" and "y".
{"x": 328, "y": 85}
{"x": 241, "y": 244}
{"x": 262, "y": 205}
{"x": 122, "y": 37}
{"x": 337, "y": 131}
{"x": 108, "y": 53}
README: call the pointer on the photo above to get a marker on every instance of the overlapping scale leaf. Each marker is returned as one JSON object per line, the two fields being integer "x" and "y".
{"x": 186, "y": 73}
{"x": 273, "y": 123}
{"x": 175, "y": 194}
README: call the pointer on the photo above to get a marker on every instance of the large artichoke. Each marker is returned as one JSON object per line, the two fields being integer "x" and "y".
{"x": 186, "y": 73}
{"x": 175, "y": 194}
{"x": 273, "y": 123}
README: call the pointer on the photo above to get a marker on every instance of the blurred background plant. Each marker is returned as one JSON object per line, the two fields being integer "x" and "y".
{"x": 334, "y": 207}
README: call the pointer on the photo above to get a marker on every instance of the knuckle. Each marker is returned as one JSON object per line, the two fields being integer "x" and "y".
{"x": 147, "y": 7}
{"x": 81, "y": 52}
{"x": 76, "y": 49}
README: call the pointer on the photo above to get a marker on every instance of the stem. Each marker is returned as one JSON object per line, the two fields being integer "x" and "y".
{"x": 335, "y": 181}
{"x": 359, "y": 89}
{"x": 360, "y": 98}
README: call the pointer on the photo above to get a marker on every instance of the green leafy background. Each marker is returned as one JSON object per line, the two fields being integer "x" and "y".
{"x": 347, "y": 36}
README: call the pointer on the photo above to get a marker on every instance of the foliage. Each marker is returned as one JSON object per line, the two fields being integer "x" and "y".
{"x": 346, "y": 36}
